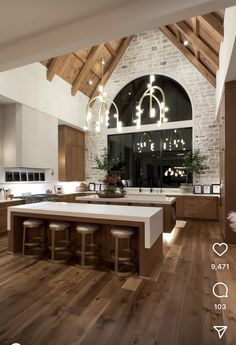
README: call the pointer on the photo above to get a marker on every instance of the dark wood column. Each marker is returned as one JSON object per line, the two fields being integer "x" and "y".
{"x": 228, "y": 159}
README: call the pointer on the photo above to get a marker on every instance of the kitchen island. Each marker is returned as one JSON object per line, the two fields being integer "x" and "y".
{"x": 147, "y": 222}
{"x": 168, "y": 204}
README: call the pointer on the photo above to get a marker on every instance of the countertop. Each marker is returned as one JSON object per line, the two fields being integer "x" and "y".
{"x": 9, "y": 200}
{"x": 152, "y": 217}
{"x": 135, "y": 198}
{"x": 170, "y": 193}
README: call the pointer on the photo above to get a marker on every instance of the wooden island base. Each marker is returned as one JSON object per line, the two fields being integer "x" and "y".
{"x": 146, "y": 259}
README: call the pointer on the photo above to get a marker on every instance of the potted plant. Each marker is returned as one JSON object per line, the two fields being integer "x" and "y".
{"x": 194, "y": 164}
{"x": 112, "y": 181}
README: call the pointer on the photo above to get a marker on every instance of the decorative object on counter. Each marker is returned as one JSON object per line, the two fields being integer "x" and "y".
{"x": 112, "y": 181}
{"x": 197, "y": 189}
{"x": 59, "y": 189}
{"x": 207, "y": 189}
{"x": 91, "y": 187}
{"x": 102, "y": 187}
{"x": 215, "y": 188}
{"x": 156, "y": 100}
{"x": 194, "y": 163}
{"x": 103, "y": 111}
{"x": 2, "y": 194}
{"x": 82, "y": 187}
{"x": 97, "y": 187}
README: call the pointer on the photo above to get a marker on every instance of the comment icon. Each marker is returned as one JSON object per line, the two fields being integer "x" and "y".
{"x": 220, "y": 290}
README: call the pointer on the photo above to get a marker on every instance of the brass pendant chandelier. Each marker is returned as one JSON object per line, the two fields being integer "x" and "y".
{"x": 155, "y": 102}
{"x": 102, "y": 116}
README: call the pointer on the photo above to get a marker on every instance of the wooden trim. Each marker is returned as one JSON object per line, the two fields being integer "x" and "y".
{"x": 186, "y": 52}
{"x": 198, "y": 43}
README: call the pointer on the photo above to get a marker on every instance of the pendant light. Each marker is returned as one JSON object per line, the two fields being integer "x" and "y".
{"x": 102, "y": 114}
{"x": 175, "y": 141}
{"x": 155, "y": 102}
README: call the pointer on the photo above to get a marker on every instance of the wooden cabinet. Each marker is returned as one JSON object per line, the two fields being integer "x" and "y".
{"x": 197, "y": 207}
{"x": 3, "y": 214}
{"x": 228, "y": 160}
{"x": 71, "y": 155}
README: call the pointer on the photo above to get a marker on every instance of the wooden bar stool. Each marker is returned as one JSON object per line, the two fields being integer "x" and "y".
{"x": 123, "y": 266}
{"x": 36, "y": 242}
{"x": 59, "y": 248}
{"x": 86, "y": 251}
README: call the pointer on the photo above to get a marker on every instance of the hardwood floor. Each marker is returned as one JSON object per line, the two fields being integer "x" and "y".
{"x": 49, "y": 304}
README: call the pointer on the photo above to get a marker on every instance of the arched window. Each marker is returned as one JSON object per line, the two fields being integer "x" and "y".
{"x": 178, "y": 104}
{"x": 152, "y": 158}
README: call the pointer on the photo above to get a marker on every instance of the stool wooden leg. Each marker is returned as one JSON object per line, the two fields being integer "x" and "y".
{"x": 92, "y": 242}
{"x": 83, "y": 251}
{"x": 116, "y": 255}
{"x": 68, "y": 235}
{"x": 23, "y": 243}
{"x": 53, "y": 245}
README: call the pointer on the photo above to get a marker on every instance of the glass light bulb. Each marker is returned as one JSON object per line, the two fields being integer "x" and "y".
{"x": 152, "y": 113}
{"x": 152, "y": 78}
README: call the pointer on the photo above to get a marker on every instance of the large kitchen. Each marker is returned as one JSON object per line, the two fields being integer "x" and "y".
{"x": 117, "y": 172}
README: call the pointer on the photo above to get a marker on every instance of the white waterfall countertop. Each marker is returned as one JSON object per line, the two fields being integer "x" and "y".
{"x": 152, "y": 217}
{"x": 128, "y": 198}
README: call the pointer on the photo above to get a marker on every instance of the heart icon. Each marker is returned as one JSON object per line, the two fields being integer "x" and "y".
{"x": 220, "y": 248}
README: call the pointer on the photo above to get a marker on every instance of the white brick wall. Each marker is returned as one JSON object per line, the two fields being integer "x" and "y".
{"x": 152, "y": 53}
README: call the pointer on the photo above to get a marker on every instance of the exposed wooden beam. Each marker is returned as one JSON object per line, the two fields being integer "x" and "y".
{"x": 110, "y": 49}
{"x": 196, "y": 32}
{"x": 81, "y": 77}
{"x": 57, "y": 66}
{"x": 124, "y": 45}
{"x": 200, "y": 45}
{"x": 201, "y": 68}
{"x": 213, "y": 25}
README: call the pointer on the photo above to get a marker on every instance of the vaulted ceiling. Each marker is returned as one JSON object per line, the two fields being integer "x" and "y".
{"x": 83, "y": 68}
{"x": 197, "y": 38}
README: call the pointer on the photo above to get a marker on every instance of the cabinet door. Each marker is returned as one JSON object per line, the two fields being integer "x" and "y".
{"x": 191, "y": 207}
{"x": 3, "y": 219}
{"x": 209, "y": 208}
{"x": 179, "y": 207}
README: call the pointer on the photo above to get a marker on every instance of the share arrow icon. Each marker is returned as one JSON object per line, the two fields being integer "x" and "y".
{"x": 220, "y": 330}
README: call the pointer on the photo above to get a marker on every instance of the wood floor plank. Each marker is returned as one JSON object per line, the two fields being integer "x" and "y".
{"x": 46, "y": 304}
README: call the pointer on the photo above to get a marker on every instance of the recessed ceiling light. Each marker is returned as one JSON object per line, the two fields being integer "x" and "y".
{"x": 90, "y": 82}
{"x": 185, "y": 43}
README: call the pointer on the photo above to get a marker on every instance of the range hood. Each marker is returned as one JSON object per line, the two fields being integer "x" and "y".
{"x": 29, "y": 138}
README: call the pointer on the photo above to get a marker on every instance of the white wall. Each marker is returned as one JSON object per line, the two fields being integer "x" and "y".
{"x": 227, "y": 60}
{"x": 28, "y": 85}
